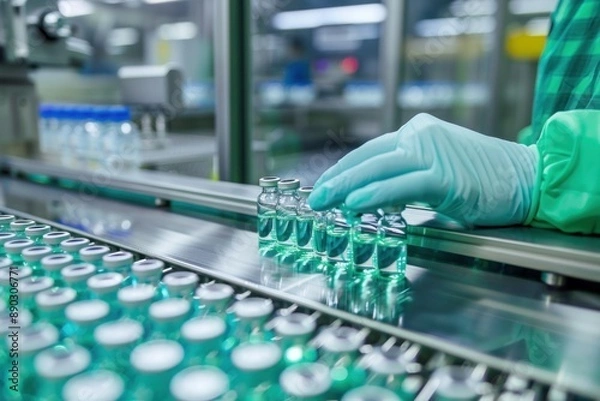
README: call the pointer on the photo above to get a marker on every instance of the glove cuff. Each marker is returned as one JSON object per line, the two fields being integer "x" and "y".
{"x": 536, "y": 191}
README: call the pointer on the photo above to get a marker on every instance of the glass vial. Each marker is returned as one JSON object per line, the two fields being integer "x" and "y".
{"x": 286, "y": 211}
{"x": 392, "y": 243}
{"x": 265, "y": 206}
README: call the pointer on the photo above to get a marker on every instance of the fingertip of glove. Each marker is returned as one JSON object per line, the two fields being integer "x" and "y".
{"x": 317, "y": 199}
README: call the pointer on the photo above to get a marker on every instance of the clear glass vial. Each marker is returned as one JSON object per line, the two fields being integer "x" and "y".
{"x": 392, "y": 244}
{"x": 201, "y": 383}
{"x": 116, "y": 340}
{"x": 286, "y": 211}
{"x": 109, "y": 383}
{"x": 266, "y": 205}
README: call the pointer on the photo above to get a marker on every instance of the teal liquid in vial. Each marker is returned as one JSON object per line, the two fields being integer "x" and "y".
{"x": 337, "y": 243}
{"x": 266, "y": 222}
{"x": 319, "y": 238}
{"x": 304, "y": 232}
{"x": 285, "y": 228}
{"x": 265, "y": 208}
{"x": 391, "y": 256}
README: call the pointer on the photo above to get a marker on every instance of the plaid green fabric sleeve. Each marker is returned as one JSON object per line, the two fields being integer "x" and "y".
{"x": 569, "y": 70}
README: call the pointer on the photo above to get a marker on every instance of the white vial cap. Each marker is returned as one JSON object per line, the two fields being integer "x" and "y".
{"x": 56, "y": 262}
{"x": 78, "y": 272}
{"x": 169, "y": 309}
{"x": 214, "y": 293}
{"x": 55, "y": 298}
{"x": 61, "y": 362}
{"x": 118, "y": 259}
{"x": 21, "y": 273}
{"x": 136, "y": 295}
{"x": 119, "y": 333}
{"x": 369, "y": 393}
{"x": 253, "y": 308}
{"x": 6, "y": 218}
{"x": 305, "y": 380}
{"x": 32, "y": 285}
{"x": 455, "y": 382}
{"x": 55, "y": 237}
{"x": 252, "y": 357}
{"x": 105, "y": 282}
{"x": 5, "y": 237}
{"x": 16, "y": 246}
{"x": 294, "y": 324}
{"x": 156, "y": 356}
{"x": 199, "y": 383}
{"x": 36, "y": 338}
{"x": 148, "y": 267}
{"x": 182, "y": 281}
{"x": 21, "y": 224}
{"x": 23, "y": 320}
{"x": 5, "y": 262}
{"x": 73, "y": 245}
{"x": 93, "y": 253}
{"x": 36, "y": 253}
{"x": 88, "y": 311}
{"x": 37, "y": 230}
{"x": 99, "y": 385}
{"x": 205, "y": 328}
{"x": 385, "y": 362}
{"x": 340, "y": 339}
{"x": 268, "y": 181}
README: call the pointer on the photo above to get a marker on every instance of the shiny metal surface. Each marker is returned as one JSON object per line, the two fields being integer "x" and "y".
{"x": 544, "y": 250}
{"x": 511, "y": 324}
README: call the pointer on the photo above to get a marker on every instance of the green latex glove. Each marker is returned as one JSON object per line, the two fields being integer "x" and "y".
{"x": 470, "y": 177}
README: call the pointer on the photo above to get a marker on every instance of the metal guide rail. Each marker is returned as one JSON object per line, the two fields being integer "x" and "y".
{"x": 550, "y": 252}
{"x": 367, "y": 352}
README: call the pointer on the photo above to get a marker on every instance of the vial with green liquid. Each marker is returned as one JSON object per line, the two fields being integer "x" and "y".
{"x": 76, "y": 276}
{"x": 116, "y": 340}
{"x": 105, "y": 286}
{"x": 54, "y": 238}
{"x": 29, "y": 288}
{"x": 147, "y": 271}
{"x": 338, "y": 238}
{"x": 214, "y": 299}
{"x": 5, "y": 220}
{"x": 306, "y": 382}
{"x": 250, "y": 317}
{"x": 83, "y": 318}
{"x": 33, "y": 256}
{"x": 256, "y": 370}
{"x": 266, "y": 205}
{"x": 203, "y": 338}
{"x": 101, "y": 385}
{"x": 181, "y": 284}
{"x": 155, "y": 363}
{"x": 136, "y": 300}
{"x": 286, "y": 211}
{"x": 368, "y": 393}
{"x": 307, "y": 262}
{"x": 294, "y": 332}
{"x": 386, "y": 367}
{"x": 15, "y": 248}
{"x": 55, "y": 366}
{"x": 204, "y": 383}
{"x": 392, "y": 244}
{"x": 72, "y": 246}
{"x": 364, "y": 241}
{"x": 53, "y": 264}
{"x": 319, "y": 239}
{"x": 118, "y": 262}
{"x": 93, "y": 254}
{"x": 4, "y": 238}
{"x": 52, "y": 304}
{"x": 36, "y": 232}
{"x": 456, "y": 383}
{"x": 167, "y": 316}
{"x": 18, "y": 227}
{"x": 10, "y": 276}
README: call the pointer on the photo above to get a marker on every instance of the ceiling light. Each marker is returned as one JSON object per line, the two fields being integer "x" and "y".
{"x": 316, "y": 17}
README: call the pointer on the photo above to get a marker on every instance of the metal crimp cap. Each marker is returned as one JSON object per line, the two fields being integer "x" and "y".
{"x": 269, "y": 181}
{"x": 292, "y": 183}
{"x": 305, "y": 191}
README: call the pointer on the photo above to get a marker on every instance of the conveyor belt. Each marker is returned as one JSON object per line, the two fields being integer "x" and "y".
{"x": 503, "y": 322}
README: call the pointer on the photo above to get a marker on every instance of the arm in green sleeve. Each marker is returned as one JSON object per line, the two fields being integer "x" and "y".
{"x": 567, "y": 189}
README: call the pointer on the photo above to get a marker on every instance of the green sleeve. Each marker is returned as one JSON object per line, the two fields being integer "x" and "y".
{"x": 567, "y": 189}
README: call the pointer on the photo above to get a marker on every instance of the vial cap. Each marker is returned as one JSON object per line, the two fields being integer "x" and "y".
{"x": 269, "y": 181}
{"x": 78, "y": 272}
{"x": 304, "y": 192}
{"x": 5, "y": 262}
{"x": 55, "y": 237}
{"x": 56, "y": 262}
{"x": 88, "y": 311}
{"x": 181, "y": 281}
{"x": 253, "y": 308}
{"x": 21, "y": 224}
{"x": 23, "y": 320}
{"x": 369, "y": 393}
{"x": 36, "y": 338}
{"x": 118, "y": 259}
{"x": 455, "y": 382}
{"x": 15, "y": 274}
{"x": 93, "y": 253}
{"x": 294, "y": 324}
{"x": 36, "y": 253}
{"x": 216, "y": 292}
{"x": 392, "y": 210}
{"x": 340, "y": 339}
{"x": 169, "y": 309}
{"x": 201, "y": 329}
{"x": 6, "y": 218}
{"x": 73, "y": 245}
{"x": 32, "y": 285}
{"x": 252, "y": 357}
{"x": 136, "y": 295}
{"x": 99, "y": 385}
{"x": 37, "y": 230}
{"x": 292, "y": 183}
{"x": 148, "y": 267}
{"x": 105, "y": 282}
{"x": 156, "y": 356}
{"x": 199, "y": 383}
{"x": 16, "y": 246}
{"x": 305, "y": 380}
{"x": 385, "y": 362}
{"x": 55, "y": 298}
{"x": 119, "y": 333}
{"x": 60, "y": 362}
{"x": 5, "y": 237}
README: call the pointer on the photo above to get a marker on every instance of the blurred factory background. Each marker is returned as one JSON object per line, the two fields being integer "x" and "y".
{"x": 325, "y": 75}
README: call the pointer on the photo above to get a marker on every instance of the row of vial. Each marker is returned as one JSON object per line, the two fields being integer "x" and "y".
{"x": 87, "y": 136}
{"x": 108, "y": 323}
{"x": 366, "y": 243}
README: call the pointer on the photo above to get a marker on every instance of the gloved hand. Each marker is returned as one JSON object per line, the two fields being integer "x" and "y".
{"x": 470, "y": 177}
